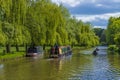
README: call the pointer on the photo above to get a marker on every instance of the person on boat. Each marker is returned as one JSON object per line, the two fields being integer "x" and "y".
{"x": 52, "y": 49}
{"x": 95, "y": 52}
{"x": 56, "y": 49}
{"x": 97, "y": 49}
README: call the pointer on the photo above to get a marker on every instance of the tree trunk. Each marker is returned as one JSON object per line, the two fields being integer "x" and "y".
{"x": 17, "y": 48}
{"x": 72, "y": 45}
{"x": 8, "y": 48}
{"x": 26, "y": 47}
{"x": 44, "y": 47}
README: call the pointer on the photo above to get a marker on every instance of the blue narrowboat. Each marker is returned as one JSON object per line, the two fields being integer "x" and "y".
{"x": 34, "y": 51}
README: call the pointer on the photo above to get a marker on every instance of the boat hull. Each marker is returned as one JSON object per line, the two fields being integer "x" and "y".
{"x": 61, "y": 51}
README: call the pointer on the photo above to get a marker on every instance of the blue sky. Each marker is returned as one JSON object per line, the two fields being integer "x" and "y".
{"x": 95, "y": 11}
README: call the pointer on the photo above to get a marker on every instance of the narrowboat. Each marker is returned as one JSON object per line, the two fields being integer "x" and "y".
{"x": 59, "y": 51}
{"x": 34, "y": 51}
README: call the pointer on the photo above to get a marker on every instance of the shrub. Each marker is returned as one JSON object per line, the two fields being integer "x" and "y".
{"x": 112, "y": 48}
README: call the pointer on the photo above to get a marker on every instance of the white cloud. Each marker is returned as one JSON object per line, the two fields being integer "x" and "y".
{"x": 99, "y": 5}
{"x": 74, "y": 3}
{"x": 89, "y": 18}
{"x": 56, "y": 1}
{"x": 116, "y": 0}
{"x": 97, "y": 18}
{"x": 71, "y": 3}
{"x": 103, "y": 5}
{"x": 93, "y": 1}
{"x": 104, "y": 27}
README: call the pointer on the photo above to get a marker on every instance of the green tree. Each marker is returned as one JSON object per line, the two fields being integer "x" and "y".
{"x": 117, "y": 39}
{"x": 112, "y": 29}
{"x": 103, "y": 36}
{"x": 8, "y": 30}
{"x": 2, "y": 35}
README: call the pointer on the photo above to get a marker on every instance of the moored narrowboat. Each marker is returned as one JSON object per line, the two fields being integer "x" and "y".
{"x": 59, "y": 51}
{"x": 34, "y": 51}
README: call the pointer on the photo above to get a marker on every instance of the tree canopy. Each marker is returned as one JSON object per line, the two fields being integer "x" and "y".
{"x": 41, "y": 22}
{"x": 113, "y": 30}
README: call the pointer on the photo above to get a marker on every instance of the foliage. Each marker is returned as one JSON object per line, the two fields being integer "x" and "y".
{"x": 98, "y": 31}
{"x": 113, "y": 28}
{"x": 113, "y": 33}
{"x": 101, "y": 33}
{"x": 8, "y": 30}
{"x": 117, "y": 38}
{"x": 112, "y": 48}
{"x": 41, "y": 22}
{"x": 2, "y": 35}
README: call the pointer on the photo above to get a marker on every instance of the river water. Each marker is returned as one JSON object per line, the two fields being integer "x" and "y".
{"x": 82, "y": 65}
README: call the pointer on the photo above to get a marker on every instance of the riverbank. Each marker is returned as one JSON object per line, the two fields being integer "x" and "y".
{"x": 13, "y": 55}
{"x": 16, "y": 55}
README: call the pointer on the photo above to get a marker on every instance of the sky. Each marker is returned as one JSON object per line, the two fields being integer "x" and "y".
{"x": 97, "y": 12}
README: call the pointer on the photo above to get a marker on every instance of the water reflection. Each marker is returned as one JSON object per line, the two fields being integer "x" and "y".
{"x": 100, "y": 69}
{"x": 1, "y": 66}
{"x": 79, "y": 66}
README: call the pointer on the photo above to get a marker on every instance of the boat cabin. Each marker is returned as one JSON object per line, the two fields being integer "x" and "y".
{"x": 34, "y": 51}
{"x": 59, "y": 51}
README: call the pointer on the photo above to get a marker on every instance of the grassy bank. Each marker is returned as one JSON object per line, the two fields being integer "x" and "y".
{"x": 12, "y": 55}
{"x": 21, "y": 53}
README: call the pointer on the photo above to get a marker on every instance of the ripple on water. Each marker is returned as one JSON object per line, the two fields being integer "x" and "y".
{"x": 99, "y": 69}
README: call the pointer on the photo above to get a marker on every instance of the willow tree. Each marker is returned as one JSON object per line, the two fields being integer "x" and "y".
{"x": 26, "y": 37}
{"x": 4, "y": 15}
{"x": 13, "y": 15}
{"x": 54, "y": 25}
{"x": 41, "y": 22}
{"x": 21, "y": 36}
{"x": 85, "y": 35}
{"x": 35, "y": 23}
{"x": 17, "y": 17}
{"x": 6, "y": 7}
{"x": 73, "y": 31}
{"x": 65, "y": 24}
{"x": 45, "y": 23}
{"x": 8, "y": 30}
{"x": 2, "y": 35}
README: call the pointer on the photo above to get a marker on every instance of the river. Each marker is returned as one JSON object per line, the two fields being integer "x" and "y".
{"x": 82, "y": 65}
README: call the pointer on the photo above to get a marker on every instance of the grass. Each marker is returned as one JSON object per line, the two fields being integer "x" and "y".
{"x": 78, "y": 47}
{"x": 21, "y": 53}
{"x": 13, "y": 54}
